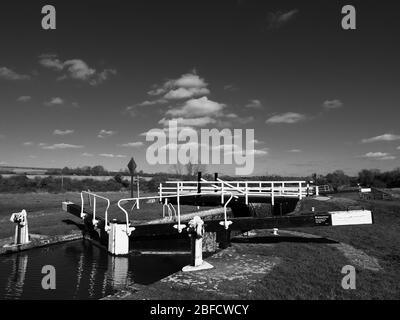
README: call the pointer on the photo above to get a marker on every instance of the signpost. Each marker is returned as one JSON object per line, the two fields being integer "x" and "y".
{"x": 132, "y": 169}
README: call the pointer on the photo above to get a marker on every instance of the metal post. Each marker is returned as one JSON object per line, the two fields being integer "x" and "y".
{"x": 198, "y": 182}
{"x": 137, "y": 185}
{"x": 131, "y": 185}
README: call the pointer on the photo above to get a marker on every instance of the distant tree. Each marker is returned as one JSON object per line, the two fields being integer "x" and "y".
{"x": 367, "y": 177}
{"x": 99, "y": 171}
{"x": 338, "y": 179}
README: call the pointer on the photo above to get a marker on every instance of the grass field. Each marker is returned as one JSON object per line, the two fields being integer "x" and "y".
{"x": 314, "y": 269}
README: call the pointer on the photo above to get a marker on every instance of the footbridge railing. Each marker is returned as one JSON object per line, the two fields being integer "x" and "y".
{"x": 246, "y": 189}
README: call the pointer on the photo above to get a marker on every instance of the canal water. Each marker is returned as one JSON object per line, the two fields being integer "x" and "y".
{"x": 83, "y": 271}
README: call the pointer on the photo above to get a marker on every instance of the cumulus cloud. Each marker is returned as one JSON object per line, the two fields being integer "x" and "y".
{"x": 132, "y": 144}
{"x": 288, "y": 117}
{"x": 62, "y": 132}
{"x": 86, "y": 154}
{"x": 24, "y": 98}
{"x": 28, "y": 143}
{"x": 106, "y": 133}
{"x": 276, "y": 20}
{"x": 254, "y": 104}
{"x": 75, "y": 69}
{"x": 186, "y": 86}
{"x": 198, "y": 108}
{"x": 58, "y": 146}
{"x": 332, "y": 104}
{"x": 294, "y": 150}
{"x": 379, "y": 156}
{"x": 54, "y": 102}
{"x": 383, "y": 137}
{"x": 8, "y": 74}
{"x": 185, "y": 93}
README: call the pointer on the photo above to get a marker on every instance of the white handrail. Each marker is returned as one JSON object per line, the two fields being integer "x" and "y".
{"x": 83, "y": 215}
{"x": 226, "y": 223}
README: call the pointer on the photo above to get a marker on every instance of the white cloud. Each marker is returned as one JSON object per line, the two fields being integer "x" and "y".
{"x": 151, "y": 103}
{"x": 86, "y": 154}
{"x": 132, "y": 144}
{"x": 288, "y": 117}
{"x": 62, "y": 132}
{"x": 24, "y": 98}
{"x": 278, "y": 19}
{"x": 186, "y": 93}
{"x": 51, "y": 61}
{"x": 332, "y": 104}
{"x": 106, "y": 133}
{"x": 58, "y": 146}
{"x": 186, "y": 86}
{"x": 198, "y": 108}
{"x": 54, "y": 102}
{"x": 254, "y": 104}
{"x": 156, "y": 91}
{"x": 75, "y": 69}
{"x": 384, "y": 137}
{"x": 379, "y": 156}
{"x": 8, "y": 74}
{"x": 28, "y": 143}
{"x": 232, "y": 149}
{"x": 294, "y": 150}
{"x": 191, "y": 122}
{"x": 110, "y": 155}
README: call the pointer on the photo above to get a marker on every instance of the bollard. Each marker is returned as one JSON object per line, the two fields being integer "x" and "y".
{"x": 21, "y": 229}
{"x": 275, "y": 231}
{"x": 118, "y": 240}
{"x": 196, "y": 233}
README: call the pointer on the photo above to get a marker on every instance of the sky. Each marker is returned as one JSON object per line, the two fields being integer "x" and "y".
{"x": 319, "y": 98}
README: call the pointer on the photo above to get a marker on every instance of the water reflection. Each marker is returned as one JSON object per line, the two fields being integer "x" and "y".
{"x": 118, "y": 272}
{"x": 16, "y": 279}
{"x": 83, "y": 271}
